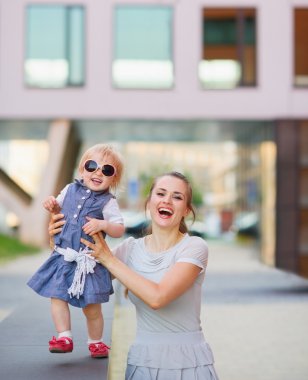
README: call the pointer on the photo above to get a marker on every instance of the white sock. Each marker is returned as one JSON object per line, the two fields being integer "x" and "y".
{"x": 65, "y": 334}
{"x": 90, "y": 341}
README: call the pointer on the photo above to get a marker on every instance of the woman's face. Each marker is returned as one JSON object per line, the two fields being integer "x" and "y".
{"x": 96, "y": 180}
{"x": 168, "y": 202}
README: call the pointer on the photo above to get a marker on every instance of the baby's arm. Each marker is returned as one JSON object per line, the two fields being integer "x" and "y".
{"x": 51, "y": 205}
{"x": 112, "y": 224}
{"x": 93, "y": 226}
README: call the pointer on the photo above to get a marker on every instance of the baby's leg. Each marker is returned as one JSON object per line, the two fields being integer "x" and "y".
{"x": 60, "y": 314}
{"x": 61, "y": 317}
{"x": 95, "y": 321}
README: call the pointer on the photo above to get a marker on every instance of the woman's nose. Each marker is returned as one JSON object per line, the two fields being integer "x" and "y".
{"x": 168, "y": 198}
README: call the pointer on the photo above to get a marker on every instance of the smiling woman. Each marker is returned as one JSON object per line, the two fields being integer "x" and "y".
{"x": 163, "y": 273}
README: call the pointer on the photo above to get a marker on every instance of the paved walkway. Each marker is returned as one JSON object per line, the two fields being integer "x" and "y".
{"x": 26, "y": 327}
{"x": 254, "y": 317}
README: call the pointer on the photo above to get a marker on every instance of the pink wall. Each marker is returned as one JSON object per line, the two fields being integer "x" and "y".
{"x": 274, "y": 96}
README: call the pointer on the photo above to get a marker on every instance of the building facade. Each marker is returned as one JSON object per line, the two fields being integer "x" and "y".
{"x": 117, "y": 67}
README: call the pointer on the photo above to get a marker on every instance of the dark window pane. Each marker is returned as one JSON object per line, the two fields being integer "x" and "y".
{"x": 219, "y": 32}
{"x": 301, "y": 47}
{"x": 229, "y": 51}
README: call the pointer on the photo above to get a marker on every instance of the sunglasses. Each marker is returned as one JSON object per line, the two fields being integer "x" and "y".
{"x": 91, "y": 166}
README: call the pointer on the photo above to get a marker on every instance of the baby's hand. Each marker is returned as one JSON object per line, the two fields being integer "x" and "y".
{"x": 93, "y": 226}
{"x": 52, "y": 205}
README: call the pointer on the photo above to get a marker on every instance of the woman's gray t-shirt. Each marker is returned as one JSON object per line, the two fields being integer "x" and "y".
{"x": 183, "y": 314}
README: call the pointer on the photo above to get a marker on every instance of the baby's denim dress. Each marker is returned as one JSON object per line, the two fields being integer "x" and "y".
{"x": 55, "y": 276}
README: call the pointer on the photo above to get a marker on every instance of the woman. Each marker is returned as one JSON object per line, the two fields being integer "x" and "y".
{"x": 163, "y": 273}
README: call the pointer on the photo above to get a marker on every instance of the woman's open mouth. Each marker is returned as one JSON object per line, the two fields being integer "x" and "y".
{"x": 165, "y": 212}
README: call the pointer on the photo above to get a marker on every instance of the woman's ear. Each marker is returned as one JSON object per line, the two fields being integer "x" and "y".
{"x": 187, "y": 211}
{"x": 146, "y": 207}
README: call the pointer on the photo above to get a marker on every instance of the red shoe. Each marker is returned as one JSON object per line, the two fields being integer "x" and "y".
{"x": 60, "y": 345}
{"x": 99, "y": 350}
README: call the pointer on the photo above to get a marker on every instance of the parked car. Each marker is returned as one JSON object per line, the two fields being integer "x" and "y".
{"x": 246, "y": 224}
{"x": 135, "y": 223}
{"x": 197, "y": 229}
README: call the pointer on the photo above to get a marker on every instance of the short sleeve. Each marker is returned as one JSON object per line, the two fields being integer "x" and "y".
{"x": 195, "y": 252}
{"x": 122, "y": 251}
{"x": 61, "y": 196}
{"x": 112, "y": 212}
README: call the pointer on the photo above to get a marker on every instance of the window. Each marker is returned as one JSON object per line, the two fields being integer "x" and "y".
{"x": 54, "y": 46}
{"x": 229, "y": 48}
{"x": 142, "y": 55}
{"x": 301, "y": 47}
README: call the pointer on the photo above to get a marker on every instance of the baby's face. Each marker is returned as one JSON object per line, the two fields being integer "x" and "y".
{"x": 95, "y": 179}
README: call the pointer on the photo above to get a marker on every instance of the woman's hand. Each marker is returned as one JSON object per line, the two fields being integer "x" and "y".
{"x": 56, "y": 223}
{"x": 99, "y": 248}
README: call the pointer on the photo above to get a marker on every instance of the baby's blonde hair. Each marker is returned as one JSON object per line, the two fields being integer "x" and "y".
{"x": 105, "y": 150}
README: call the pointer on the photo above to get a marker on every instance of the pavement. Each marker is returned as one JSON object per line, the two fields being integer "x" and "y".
{"x": 26, "y": 327}
{"x": 254, "y": 317}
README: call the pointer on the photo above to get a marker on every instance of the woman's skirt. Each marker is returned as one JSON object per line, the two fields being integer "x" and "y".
{"x": 170, "y": 356}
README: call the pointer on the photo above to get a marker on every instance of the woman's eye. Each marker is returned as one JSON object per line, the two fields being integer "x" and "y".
{"x": 178, "y": 197}
{"x": 160, "y": 194}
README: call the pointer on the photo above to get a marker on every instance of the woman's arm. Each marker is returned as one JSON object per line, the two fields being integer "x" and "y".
{"x": 156, "y": 295}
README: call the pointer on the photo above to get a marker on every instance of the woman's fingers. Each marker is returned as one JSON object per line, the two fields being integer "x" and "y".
{"x": 99, "y": 248}
{"x": 99, "y": 245}
{"x": 100, "y": 242}
{"x": 88, "y": 243}
{"x": 98, "y": 238}
{"x": 55, "y": 224}
{"x": 59, "y": 224}
{"x": 56, "y": 217}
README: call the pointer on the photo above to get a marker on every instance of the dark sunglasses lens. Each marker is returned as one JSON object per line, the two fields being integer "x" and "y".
{"x": 108, "y": 170}
{"x": 90, "y": 166}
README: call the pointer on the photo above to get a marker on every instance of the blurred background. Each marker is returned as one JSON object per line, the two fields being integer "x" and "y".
{"x": 215, "y": 90}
